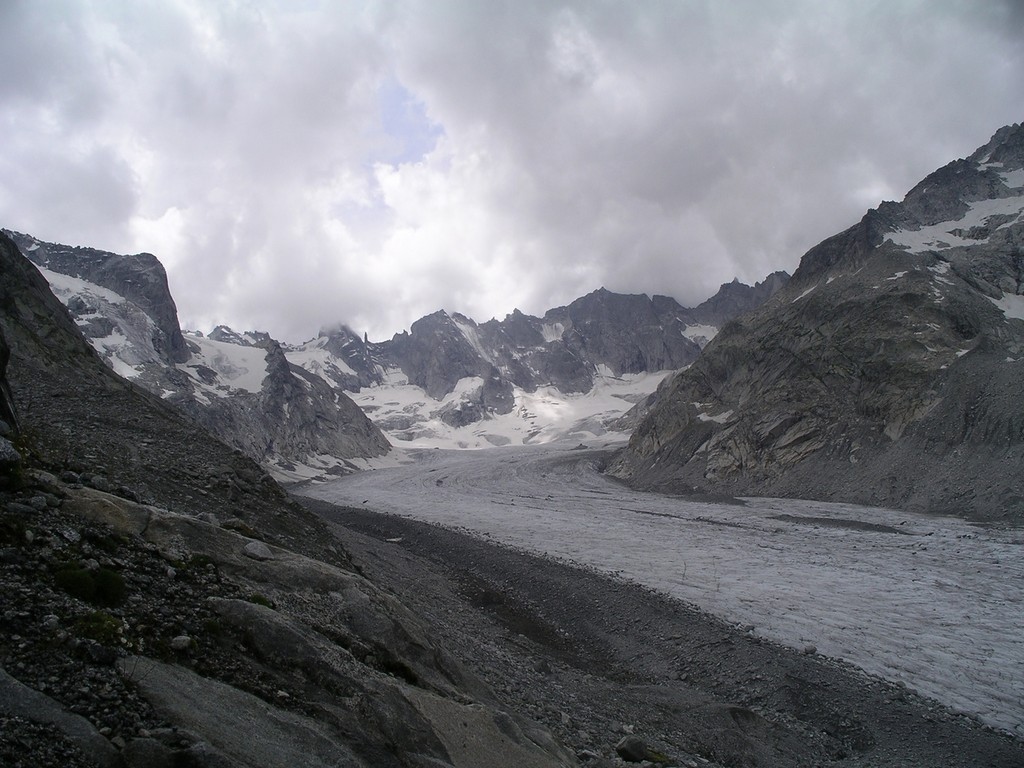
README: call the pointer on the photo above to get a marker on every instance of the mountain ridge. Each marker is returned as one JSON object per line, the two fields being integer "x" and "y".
{"x": 483, "y": 384}
{"x": 886, "y": 372}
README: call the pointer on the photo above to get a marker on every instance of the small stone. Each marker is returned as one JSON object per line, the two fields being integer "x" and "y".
{"x": 257, "y": 550}
{"x": 99, "y": 482}
{"x": 171, "y": 573}
{"x": 69, "y": 477}
{"x": 38, "y": 503}
{"x": 181, "y": 643}
{"x": 8, "y": 453}
{"x": 810, "y": 650}
{"x": 102, "y": 655}
{"x": 91, "y": 565}
{"x": 118, "y": 741}
{"x": 17, "y": 508}
{"x": 50, "y": 622}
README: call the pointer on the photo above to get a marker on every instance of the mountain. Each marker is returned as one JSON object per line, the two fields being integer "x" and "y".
{"x": 450, "y": 381}
{"x": 165, "y": 603}
{"x": 241, "y": 386}
{"x": 887, "y": 371}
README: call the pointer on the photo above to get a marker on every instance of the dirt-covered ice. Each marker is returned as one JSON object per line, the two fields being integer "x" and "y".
{"x": 934, "y": 602}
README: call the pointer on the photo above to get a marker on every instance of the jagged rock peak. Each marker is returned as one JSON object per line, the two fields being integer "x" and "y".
{"x": 139, "y": 278}
{"x": 1006, "y": 147}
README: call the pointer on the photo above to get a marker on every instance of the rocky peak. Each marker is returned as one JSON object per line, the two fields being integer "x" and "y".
{"x": 140, "y": 278}
{"x": 735, "y": 298}
{"x": 1005, "y": 148}
{"x": 246, "y": 339}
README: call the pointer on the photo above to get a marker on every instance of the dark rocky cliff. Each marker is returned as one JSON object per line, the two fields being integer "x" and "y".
{"x": 138, "y": 277}
{"x": 888, "y": 371}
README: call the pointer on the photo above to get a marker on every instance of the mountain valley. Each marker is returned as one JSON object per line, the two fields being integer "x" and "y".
{"x": 776, "y": 529}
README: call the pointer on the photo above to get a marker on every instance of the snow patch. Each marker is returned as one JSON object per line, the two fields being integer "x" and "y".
{"x": 237, "y": 367}
{"x": 409, "y": 418}
{"x": 897, "y": 276}
{"x": 1014, "y": 179}
{"x": 317, "y": 360}
{"x": 719, "y": 418}
{"x": 941, "y": 236}
{"x": 552, "y": 331}
{"x": 794, "y": 301}
{"x": 1011, "y": 304}
{"x": 471, "y": 336}
{"x": 700, "y": 334}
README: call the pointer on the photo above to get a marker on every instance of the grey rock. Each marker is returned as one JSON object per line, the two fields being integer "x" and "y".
{"x": 627, "y": 334}
{"x": 8, "y": 413}
{"x": 257, "y": 550}
{"x": 17, "y": 699}
{"x": 9, "y": 455}
{"x": 100, "y": 483}
{"x": 632, "y": 749}
{"x": 244, "y": 728}
{"x": 297, "y": 416}
{"x": 181, "y": 643}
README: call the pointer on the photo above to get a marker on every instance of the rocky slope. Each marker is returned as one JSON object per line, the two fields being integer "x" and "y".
{"x": 165, "y": 604}
{"x": 241, "y": 386}
{"x": 887, "y": 371}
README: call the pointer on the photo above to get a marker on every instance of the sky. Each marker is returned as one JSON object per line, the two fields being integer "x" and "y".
{"x": 296, "y": 164}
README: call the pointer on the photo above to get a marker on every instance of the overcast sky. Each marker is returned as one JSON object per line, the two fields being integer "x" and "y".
{"x": 297, "y": 163}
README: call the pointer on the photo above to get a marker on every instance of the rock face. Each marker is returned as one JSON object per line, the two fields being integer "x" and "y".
{"x": 887, "y": 371}
{"x": 8, "y": 417}
{"x": 140, "y": 278}
{"x": 277, "y": 412}
{"x": 241, "y": 386}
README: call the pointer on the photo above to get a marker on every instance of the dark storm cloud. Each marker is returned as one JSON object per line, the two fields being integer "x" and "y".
{"x": 295, "y": 165}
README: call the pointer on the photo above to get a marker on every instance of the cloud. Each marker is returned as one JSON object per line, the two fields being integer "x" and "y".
{"x": 296, "y": 165}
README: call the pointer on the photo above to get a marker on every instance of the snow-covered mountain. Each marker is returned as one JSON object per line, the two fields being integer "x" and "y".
{"x": 452, "y": 382}
{"x": 890, "y": 370}
{"x": 240, "y": 386}
{"x": 447, "y": 382}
